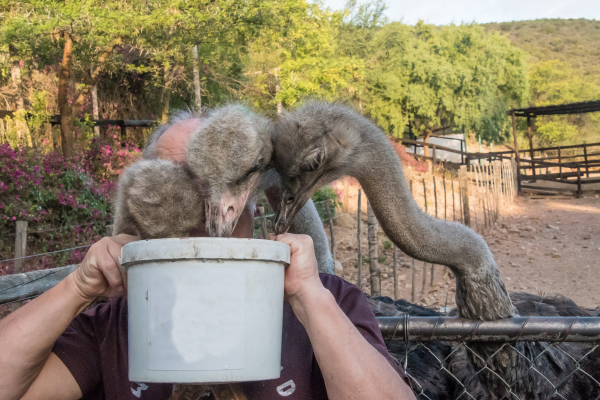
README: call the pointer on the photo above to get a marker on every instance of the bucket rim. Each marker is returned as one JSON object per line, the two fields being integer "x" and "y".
{"x": 204, "y": 248}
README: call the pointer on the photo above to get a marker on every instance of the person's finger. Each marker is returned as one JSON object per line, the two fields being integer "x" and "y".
{"x": 112, "y": 273}
{"x": 290, "y": 239}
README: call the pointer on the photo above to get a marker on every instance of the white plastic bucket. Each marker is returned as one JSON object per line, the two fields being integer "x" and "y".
{"x": 204, "y": 309}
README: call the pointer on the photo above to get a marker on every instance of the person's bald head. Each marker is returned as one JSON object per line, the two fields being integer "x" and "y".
{"x": 172, "y": 144}
{"x": 170, "y": 141}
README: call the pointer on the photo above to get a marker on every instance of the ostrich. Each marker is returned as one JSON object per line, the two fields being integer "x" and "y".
{"x": 157, "y": 199}
{"x": 320, "y": 142}
{"x": 426, "y": 366}
{"x": 230, "y": 155}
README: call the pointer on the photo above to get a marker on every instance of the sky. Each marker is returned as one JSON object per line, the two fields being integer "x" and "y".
{"x": 443, "y": 12}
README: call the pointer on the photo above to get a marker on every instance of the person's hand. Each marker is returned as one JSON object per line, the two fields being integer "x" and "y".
{"x": 100, "y": 273}
{"x": 302, "y": 275}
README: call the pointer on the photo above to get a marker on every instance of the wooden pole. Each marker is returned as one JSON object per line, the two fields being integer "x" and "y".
{"x": 578, "y": 182}
{"x": 359, "y": 262}
{"x": 435, "y": 196}
{"x": 531, "y": 151}
{"x": 424, "y": 263}
{"x": 434, "y": 156}
{"x": 514, "y": 131}
{"x": 329, "y": 212}
{"x": 585, "y": 157}
{"x": 95, "y": 108}
{"x": 413, "y": 290}
{"x": 20, "y": 252}
{"x": 559, "y": 164}
{"x": 396, "y": 288}
{"x": 108, "y": 230}
{"x": 463, "y": 182}
{"x": 478, "y": 196}
{"x": 453, "y": 206}
{"x": 372, "y": 227}
{"x": 445, "y": 199}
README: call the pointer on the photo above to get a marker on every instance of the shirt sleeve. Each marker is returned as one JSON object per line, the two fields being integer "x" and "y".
{"x": 79, "y": 349}
{"x": 354, "y": 304}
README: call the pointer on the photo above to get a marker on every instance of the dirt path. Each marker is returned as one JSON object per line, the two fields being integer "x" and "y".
{"x": 544, "y": 246}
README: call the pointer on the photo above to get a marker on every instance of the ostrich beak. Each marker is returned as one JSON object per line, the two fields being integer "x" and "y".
{"x": 222, "y": 213}
{"x": 289, "y": 205}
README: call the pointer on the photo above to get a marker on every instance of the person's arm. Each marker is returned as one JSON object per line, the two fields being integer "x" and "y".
{"x": 351, "y": 367}
{"x": 28, "y": 368}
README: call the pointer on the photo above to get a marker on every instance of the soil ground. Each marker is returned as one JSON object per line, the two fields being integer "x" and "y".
{"x": 544, "y": 246}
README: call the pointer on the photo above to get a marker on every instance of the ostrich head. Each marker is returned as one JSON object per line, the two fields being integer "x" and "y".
{"x": 159, "y": 199}
{"x": 312, "y": 146}
{"x": 227, "y": 154}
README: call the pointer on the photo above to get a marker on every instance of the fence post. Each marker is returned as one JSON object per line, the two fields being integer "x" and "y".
{"x": 453, "y": 206}
{"x": 372, "y": 227}
{"x": 263, "y": 221}
{"x": 413, "y": 294}
{"x": 445, "y": 199}
{"x": 579, "y": 182}
{"x": 328, "y": 208}
{"x": 396, "y": 288}
{"x": 559, "y": 164}
{"x": 20, "y": 251}
{"x": 435, "y": 196}
{"x": 434, "y": 157}
{"x": 359, "y": 264}
{"x": 463, "y": 181}
{"x": 496, "y": 167}
{"x": 108, "y": 230}
{"x": 587, "y": 171}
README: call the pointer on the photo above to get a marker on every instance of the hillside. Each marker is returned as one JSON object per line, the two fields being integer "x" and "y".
{"x": 575, "y": 41}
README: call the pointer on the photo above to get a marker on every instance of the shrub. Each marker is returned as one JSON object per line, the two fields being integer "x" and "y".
{"x": 66, "y": 202}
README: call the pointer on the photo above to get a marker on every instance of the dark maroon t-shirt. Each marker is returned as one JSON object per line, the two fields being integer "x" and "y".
{"x": 94, "y": 349}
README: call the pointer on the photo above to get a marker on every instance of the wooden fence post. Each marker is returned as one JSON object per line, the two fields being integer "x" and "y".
{"x": 263, "y": 222}
{"x": 20, "y": 252}
{"x": 108, "y": 230}
{"x": 445, "y": 198}
{"x": 560, "y": 164}
{"x": 424, "y": 263}
{"x": 359, "y": 264}
{"x": 587, "y": 171}
{"x": 579, "y": 182}
{"x": 413, "y": 294}
{"x": 330, "y": 213}
{"x": 463, "y": 182}
{"x": 372, "y": 227}
{"x": 435, "y": 196}
{"x": 453, "y": 206}
{"x": 496, "y": 166}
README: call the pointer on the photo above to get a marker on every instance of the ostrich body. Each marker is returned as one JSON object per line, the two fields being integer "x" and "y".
{"x": 157, "y": 199}
{"x": 320, "y": 142}
{"x": 230, "y": 155}
{"x": 427, "y": 366}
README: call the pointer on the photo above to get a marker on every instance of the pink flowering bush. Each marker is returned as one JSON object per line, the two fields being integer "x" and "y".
{"x": 66, "y": 202}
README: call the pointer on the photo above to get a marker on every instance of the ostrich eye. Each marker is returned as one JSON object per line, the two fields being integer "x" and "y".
{"x": 313, "y": 161}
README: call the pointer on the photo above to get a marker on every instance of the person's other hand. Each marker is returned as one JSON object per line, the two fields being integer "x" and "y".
{"x": 100, "y": 273}
{"x": 302, "y": 275}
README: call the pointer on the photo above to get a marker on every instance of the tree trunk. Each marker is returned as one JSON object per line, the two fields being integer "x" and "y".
{"x": 95, "y": 111}
{"x": 426, "y": 140}
{"x": 373, "y": 227}
{"x": 166, "y": 97}
{"x": 66, "y": 114}
{"x": 22, "y": 129}
{"x": 197, "y": 78}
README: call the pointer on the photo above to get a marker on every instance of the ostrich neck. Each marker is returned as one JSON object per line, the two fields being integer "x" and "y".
{"x": 480, "y": 292}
